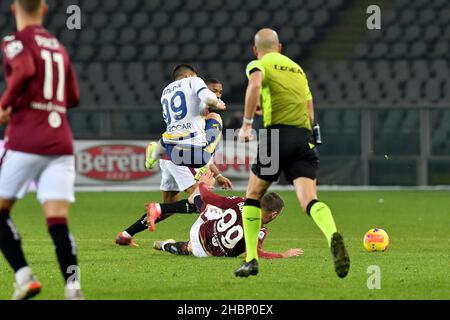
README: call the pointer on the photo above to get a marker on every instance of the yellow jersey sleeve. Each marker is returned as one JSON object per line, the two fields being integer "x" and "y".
{"x": 309, "y": 96}
{"x": 255, "y": 64}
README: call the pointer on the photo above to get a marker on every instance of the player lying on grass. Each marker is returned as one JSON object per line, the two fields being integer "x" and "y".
{"x": 218, "y": 232}
{"x": 174, "y": 179}
{"x": 193, "y": 128}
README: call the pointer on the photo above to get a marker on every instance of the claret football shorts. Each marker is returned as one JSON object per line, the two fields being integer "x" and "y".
{"x": 54, "y": 176}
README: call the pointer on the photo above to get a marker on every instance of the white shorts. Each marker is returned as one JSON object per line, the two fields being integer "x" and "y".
{"x": 175, "y": 178}
{"x": 54, "y": 175}
{"x": 212, "y": 213}
{"x": 194, "y": 237}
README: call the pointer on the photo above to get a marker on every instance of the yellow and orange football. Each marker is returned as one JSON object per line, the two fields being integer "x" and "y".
{"x": 376, "y": 240}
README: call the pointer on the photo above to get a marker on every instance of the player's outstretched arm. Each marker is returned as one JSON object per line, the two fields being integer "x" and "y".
{"x": 208, "y": 97}
{"x": 310, "y": 103}
{"x": 275, "y": 255}
{"x": 224, "y": 182}
{"x": 253, "y": 94}
{"x": 311, "y": 111}
{"x": 252, "y": 101}
{"x": 209, "y": 197}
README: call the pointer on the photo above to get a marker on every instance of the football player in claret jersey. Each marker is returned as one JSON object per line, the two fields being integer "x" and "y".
{"x": 218, "y": 232}
{"x": 41, "y": 86}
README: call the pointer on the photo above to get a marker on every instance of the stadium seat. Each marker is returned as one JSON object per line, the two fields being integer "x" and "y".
{"x": 193, "y": 5}
{"x": 146, "y": 36}
{"x": 98, "y": 20}
{"x": 139, "y": 20}
{"x": 126, "y": 49}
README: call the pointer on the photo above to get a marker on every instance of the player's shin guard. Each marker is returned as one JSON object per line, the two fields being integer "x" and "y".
{"x": 251, "y": 215}
{"x": 66, "y": 250}
{"x": 321, "y": 214}
{"x": 139, "y": 226}
{"x": 10, "y": 243}
{"x": 182, "y": 206}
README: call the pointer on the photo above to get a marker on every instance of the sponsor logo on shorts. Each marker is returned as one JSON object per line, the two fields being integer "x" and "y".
{"x": 113, "y": 163}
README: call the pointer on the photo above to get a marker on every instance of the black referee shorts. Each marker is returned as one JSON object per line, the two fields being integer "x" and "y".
{"x": 297, "y": 157}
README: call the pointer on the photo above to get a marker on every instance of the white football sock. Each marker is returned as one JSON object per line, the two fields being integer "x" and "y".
{"x": 159, "y": 151}
{"x": 73, "y": 285}
{"x": 163, "y": 244}
{"x": 126, "y": 234}
{"x": 23, "y": 274}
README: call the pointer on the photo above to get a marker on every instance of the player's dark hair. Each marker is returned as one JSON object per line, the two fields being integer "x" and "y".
{"x": 181, "y": 69}
{"x": 272, "y": 202}
{"x": 212, "y": 81}
{"x": 30, "y": 6}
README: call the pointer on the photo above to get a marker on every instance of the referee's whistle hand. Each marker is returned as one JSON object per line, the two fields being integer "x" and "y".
{"x": 245, "y": 133}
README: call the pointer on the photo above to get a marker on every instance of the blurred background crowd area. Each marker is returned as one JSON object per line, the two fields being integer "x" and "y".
{"x": 378, "y": 93}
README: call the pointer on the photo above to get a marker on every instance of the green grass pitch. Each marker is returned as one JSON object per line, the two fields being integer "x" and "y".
{"x": 417, "y": 266}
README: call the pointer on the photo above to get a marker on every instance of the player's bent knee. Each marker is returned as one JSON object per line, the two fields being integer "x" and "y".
{"x": 56, "y": 209}
{"x": 171, "y": 196}
{"x": 6, "y": 205}
{"x": 189, "y": 191}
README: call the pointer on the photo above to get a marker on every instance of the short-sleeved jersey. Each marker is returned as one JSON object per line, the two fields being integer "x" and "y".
{"x": 183, "y": 112}
{"x": 223, "y": 235}
{"x": 41, "y": 86}
{"x": 285, "y": 91}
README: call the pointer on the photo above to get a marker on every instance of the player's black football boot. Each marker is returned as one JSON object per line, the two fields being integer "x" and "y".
{"x": 248, "y": 269}
{"x": 340, "y": 255}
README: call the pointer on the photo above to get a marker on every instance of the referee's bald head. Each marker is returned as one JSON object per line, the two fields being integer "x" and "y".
{"x": 266, "y": 41}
